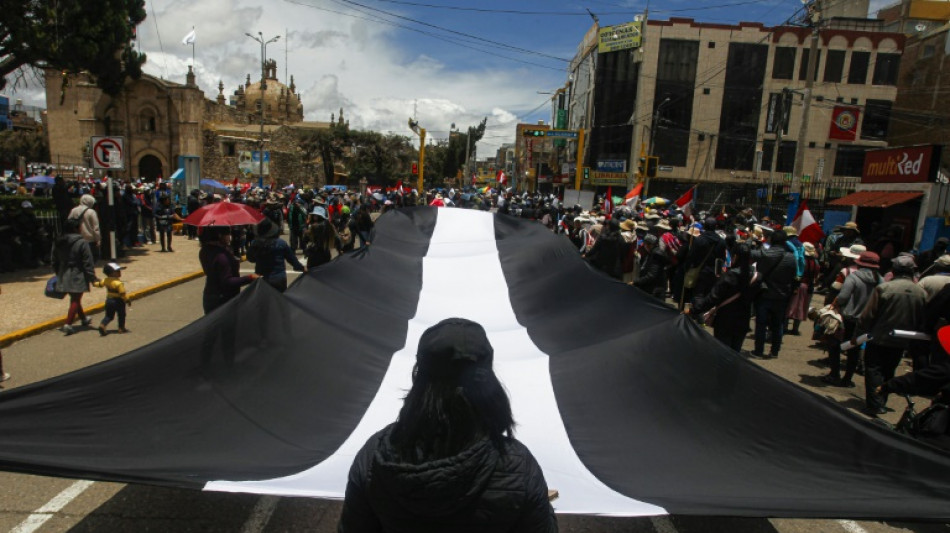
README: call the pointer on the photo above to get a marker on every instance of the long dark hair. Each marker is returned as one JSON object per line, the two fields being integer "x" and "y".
{"x": 455, "y": 399}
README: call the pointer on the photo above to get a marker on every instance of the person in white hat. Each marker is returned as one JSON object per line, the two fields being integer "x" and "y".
{"x": 939, "y": 278}
{"x": 116, "y": 297}
{"x": 320, "y": 238}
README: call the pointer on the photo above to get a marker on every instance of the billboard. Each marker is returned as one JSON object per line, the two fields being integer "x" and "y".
{"x": 910, "y": 164}
{"x": 249, "y": 163}
{"x": 619, "y": 37}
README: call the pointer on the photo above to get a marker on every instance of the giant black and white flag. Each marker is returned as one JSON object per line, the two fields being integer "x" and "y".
{"x": 629, "y": 408}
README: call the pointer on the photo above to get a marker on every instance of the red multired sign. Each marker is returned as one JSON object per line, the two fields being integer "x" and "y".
{"x": 912, "y": 164}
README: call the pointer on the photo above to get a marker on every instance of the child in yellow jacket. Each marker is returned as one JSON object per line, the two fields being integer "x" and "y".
{"x": 116, "y": 298}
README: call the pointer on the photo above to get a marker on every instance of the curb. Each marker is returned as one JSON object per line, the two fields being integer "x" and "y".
{"x": 10, "y": 338}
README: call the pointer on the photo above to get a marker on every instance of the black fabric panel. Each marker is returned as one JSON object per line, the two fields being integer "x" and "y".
{"x": 266, "y": 386}
{"x": 660, "y": 411}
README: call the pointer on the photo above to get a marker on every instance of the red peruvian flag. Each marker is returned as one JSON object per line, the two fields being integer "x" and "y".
{"x": 634, "y": 194}
{"x": 807, "y": 226}
{"x": 844, "y": 123}
{"x": 685, "y": 202}
{"x": 501, "y": 177}
{"x": 235, "y": 182}
{"x": 608, "y": 202}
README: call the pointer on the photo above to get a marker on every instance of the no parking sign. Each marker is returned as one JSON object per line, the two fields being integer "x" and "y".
{"x": 107, "y": 152}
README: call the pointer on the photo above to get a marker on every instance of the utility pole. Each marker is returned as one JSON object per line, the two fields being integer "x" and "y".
{"x": 468, "y": 147}
{"x": 632, "y": 175}
{"x": 779, "y": 122}
{"x": 814, "y": 17}
{"x": 260, "y": 39}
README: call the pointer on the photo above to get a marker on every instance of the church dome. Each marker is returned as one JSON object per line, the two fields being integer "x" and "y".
{"x": 281, "y": 101}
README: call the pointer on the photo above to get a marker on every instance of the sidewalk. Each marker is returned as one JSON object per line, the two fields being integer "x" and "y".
{"x": 23, "y": 305}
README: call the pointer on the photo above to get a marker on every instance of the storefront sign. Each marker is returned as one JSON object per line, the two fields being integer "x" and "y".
{"x": 608, "y": 178}
{"x": 913, "y": 164}
{"x": 612, "y": 165}
{"x": 619, "y": 37}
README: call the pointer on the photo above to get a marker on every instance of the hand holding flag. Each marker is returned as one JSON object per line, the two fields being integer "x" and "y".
{"x": 685, "y": 202}
{"x": 807, "y": 226}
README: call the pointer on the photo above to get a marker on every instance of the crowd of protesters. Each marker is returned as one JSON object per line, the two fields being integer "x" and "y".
{"x": 737, "y": 274}
{"x": 734, "y": 272}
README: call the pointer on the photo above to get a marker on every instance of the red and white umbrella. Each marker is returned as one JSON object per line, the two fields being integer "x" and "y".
{"x": 224, "y": 214}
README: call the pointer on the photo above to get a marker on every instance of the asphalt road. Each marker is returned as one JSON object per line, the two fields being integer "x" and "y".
{"x": 34, "y": 503}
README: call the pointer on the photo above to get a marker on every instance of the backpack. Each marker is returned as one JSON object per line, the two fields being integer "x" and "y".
{"x": 799, "y": 259}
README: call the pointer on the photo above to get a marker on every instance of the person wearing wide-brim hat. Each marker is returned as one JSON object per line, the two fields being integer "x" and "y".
{"x": 893, "y": 306}
{"x": 320, "y": 238}
{"x": 269, "y": 253}
{"x": 856, "y": 291}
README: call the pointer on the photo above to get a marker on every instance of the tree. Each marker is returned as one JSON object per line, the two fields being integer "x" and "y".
{"x": 325, "y": 145}
{"x": 382, "y": 159}
{"x": 72, "y": 36}
{"x": 29, "y": 144}
{"x": 455, "y": 157}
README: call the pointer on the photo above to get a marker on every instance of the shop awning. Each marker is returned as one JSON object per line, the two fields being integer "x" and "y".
{"x": 876, "y": 198}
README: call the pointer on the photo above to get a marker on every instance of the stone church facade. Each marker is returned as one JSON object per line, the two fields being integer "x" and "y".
{"x": 161, "y": 120}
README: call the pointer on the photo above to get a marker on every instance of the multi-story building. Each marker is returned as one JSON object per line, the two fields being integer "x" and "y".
{"x": 707, "y": 98}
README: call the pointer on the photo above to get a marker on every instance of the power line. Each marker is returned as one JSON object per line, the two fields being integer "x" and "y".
{"x": 159, "y": 35}
{"x": 455, "y": 32}
{"x": 463, "y": 44}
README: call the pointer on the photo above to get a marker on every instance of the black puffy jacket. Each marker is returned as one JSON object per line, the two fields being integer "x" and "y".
{"x": 481, "y": 489}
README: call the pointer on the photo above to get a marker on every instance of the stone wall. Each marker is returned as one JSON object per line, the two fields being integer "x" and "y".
{"x": 286, "y": 159}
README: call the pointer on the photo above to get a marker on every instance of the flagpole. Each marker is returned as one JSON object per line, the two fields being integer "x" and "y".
{"x": 193, "y": 66}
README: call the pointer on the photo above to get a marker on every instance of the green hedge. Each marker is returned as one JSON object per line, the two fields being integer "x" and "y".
{"x": 40, "y": 203}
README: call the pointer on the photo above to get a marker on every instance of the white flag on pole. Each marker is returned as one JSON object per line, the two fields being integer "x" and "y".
{"x": 190, "y": 38}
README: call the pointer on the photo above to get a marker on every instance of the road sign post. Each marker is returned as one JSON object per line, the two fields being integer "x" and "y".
{"x": 108, "y": 152}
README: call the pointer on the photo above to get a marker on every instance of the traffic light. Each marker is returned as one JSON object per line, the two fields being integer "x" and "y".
{"x": 586, "y": 173}
{"x": 653, "y": 164}
{"x": 642, "y": 167}
{"x": 415, "y": 168}
{"x": 533, "y": 133}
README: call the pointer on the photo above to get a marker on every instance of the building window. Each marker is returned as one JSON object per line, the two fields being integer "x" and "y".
{"x": 929, "y": 50}
{"x": 877, "y": 118}
{"x": 849, "y": 160}
{"x": 741, "y": 106}
{"x": 858, "y": 73}
{"x": 885, "y": 69}
{"x": 786, "y": 156}
{"x": 147, "y": 122}
{"x": 834, "y": 66}
{"x": 712, "y": 44}
{"x": 705, "y": 90}
{"x": 783, "y": 65}
{"x": 803, "y": 70}
{"x": 229, "y": 149}
{"x": 257, "y": 106}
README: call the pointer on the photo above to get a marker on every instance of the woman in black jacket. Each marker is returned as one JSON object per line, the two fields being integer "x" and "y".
{"x": 449, "y": 462}
{"x": 75, "y": 270}
{"x": 731, "y": 323}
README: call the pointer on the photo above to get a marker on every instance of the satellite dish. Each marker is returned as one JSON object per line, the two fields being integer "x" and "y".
{"x": 920, "y": 27}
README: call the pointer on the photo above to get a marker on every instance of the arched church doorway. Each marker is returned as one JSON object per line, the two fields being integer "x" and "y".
{"x": 150, "y": 168}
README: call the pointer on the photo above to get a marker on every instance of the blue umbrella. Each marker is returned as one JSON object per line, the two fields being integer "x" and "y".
{"x": 41, "y": 181}
{"x": 212, "y": 184}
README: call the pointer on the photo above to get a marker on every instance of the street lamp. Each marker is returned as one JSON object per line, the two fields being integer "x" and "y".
{"x": 421, "y": 132}
{"x": 260, "y": 38}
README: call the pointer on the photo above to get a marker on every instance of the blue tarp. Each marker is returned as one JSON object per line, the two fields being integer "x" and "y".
{"x": 178, "y": 175}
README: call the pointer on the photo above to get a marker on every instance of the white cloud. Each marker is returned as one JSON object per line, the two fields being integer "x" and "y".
{"x": 338, "y": 61}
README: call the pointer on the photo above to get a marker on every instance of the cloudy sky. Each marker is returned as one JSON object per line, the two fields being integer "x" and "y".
{"x": 382, "y": 61}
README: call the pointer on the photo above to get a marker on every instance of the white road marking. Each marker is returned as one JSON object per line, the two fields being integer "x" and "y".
{"x": 851, "y": 526}
{"x": 261, "y": 514}
{"x": 663, "y": 524}
{"x": 44, "y": 513}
